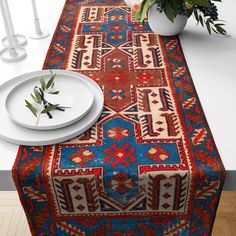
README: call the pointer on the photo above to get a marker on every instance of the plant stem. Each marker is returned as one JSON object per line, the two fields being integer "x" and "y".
{"x": 38, "y": 119}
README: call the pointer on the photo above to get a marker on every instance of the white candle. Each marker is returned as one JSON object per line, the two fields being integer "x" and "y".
{"x": 9, "y": 19}
{"x": 36, "y": 19}
{"x": 8, "y": 32}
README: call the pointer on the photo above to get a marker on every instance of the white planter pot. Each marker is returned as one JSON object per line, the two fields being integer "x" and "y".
{"x": 160, "y": 24}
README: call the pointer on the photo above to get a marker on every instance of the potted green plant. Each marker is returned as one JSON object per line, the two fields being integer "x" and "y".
{"x": 169, "y": 17}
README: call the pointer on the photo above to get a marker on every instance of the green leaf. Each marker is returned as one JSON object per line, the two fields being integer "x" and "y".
{"x": 174, "y": 6}
{"x": 169, "y": 11}
{"x": 34, "y": 98}
{"x": 50, "y": 108}
{"x": 31, "y": 108}
{"x": 215, "y": 31}
{"x": 221, "y": 24}
{"x": 196, "y": 15}
{"x": 208, "y": 25}
{"x": 144, "y": 9}
{"x": 189, "y": 12}
{"x": 201, "y": 20}
{"x": 137, "y": 15}
{"x": 55, "y": 92}
{"x": 50, "y": 82}
{"x": 37, "y": 95}
{"x": 43, "y": 84}
{"x": 203, "y": 3}
{"x": 220, "y": 29}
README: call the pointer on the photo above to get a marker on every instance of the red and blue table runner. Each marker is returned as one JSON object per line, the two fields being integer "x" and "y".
{"x": 149, "y": 166}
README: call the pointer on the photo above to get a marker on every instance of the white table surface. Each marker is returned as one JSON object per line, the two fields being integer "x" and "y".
{"x": 211, "y": 60}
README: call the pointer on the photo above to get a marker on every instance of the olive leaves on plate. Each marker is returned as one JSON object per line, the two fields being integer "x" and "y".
{"x": 40, "y": 105}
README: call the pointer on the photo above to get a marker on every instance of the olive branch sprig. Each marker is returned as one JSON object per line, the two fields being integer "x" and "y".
{"x": 49, "y": 86}
{"x": 215, "y": 26}
{"x": 42, "y": 106}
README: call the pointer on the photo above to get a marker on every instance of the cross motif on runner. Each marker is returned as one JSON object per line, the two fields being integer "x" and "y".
{"x": 105, "y": 53}
{"x": 118, "y": 155}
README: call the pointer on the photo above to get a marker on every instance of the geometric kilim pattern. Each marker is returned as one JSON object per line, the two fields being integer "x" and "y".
{"x": 149, "y": 166}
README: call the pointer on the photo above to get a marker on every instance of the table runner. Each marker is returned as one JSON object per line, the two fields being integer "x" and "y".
{"x": 149, "y": 166}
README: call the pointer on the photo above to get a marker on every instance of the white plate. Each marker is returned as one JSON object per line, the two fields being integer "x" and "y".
{"x": 14, "y": 133}
{"x": 75, "y": 85}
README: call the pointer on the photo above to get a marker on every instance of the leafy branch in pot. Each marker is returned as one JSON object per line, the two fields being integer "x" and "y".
{"x": 205, "y": 11}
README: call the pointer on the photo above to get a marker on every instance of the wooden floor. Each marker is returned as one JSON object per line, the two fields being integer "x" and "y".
{"x": 225, "y": 224}
{"x": 13, "y": 221}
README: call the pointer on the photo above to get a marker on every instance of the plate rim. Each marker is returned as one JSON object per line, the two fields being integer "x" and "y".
{"x": 52, "y": 127}
{"x": 53, "y": 140}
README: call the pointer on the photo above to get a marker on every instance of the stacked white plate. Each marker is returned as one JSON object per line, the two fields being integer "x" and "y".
{"x": 18, "y": 125}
